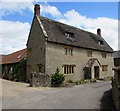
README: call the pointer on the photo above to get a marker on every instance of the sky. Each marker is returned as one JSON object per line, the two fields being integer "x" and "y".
{"x": 16, "y": 19}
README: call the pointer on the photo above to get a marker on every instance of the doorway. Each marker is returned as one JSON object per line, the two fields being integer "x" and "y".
{"x": 96, "y": 72}
{"x": 87, "y": 73}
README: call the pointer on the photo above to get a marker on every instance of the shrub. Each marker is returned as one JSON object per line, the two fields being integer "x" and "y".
{"x": 109, "y": 78}
{"x": 93, "y": 80}
{"x": 57, "y": 78}
{"x": 70, "y": 81}
{"x": 82, "y": 80}
{"x": 76, "y": 82}
{"x": 19, "y": 71}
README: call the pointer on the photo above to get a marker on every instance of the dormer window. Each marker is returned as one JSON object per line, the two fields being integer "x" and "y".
{"x": 100, "y": 42}
{"x": 69, "y": 34}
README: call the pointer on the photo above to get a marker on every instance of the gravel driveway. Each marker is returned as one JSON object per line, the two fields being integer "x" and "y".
{"x": 88, "y": 96}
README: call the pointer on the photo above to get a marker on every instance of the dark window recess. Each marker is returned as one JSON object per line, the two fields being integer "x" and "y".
{"x": 100, "y": 42}
{"x": 69, "y": 34}
{"x": 40, "y": 66}
{"x": 89, "y": 53}
{"x": 104, "y": 55}
{"x": 68, "y": 51}
{"x": 68, "y": 69}
{"x": 117, "y": 61}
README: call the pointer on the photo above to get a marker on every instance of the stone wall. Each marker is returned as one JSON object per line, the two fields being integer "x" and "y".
{"x": 40, "y": 80}
{"x": 55, "y": 57}
{"x": 35, "y": 49}
{"x": 116, "y": 88}
{"x": 49, "y": 56}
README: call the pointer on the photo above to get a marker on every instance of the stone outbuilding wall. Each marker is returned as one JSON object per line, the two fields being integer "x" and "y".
{"x": 116, "y": 88}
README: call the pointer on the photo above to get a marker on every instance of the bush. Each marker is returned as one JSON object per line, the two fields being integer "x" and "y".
{"x": 93, "y": 80}
{"x": 19, "y": 71}
{"x": 77, "y": 82}
{"x": 57, "y": 78}
{"x": 109, "y": 78}
{"x": 70, "y": 81}
{"x": 82, "y": 80}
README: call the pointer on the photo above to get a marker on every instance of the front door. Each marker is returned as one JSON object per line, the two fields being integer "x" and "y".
{"x": 96, "y": 72}
{"x": 87, "y": 73}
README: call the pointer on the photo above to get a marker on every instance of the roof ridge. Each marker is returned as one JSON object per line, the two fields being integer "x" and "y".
{"x": 83, "y": 38}
{"x": 70, "y": 26}
{"x": 66, "y": 24}
{"x": 16, "y": 51}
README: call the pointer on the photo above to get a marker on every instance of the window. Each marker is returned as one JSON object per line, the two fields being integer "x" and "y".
{"x": 68, "y": 69}
{"x": 39, "y": 67}
{"x": 103, "y": 55}
{"x": 65, "y": 51}
{"x": 104, "y": 67}
{"x": 69, "y": 34}
{"x": 89, "y": 53}
{"x": 100, "y": 42}
{"x": 68, "y": 51}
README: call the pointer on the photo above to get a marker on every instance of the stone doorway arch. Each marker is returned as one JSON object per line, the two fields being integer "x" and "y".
{"x": 92, "y": 69}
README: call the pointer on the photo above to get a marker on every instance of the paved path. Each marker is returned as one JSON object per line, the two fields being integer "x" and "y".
{"x": 88, "y": 96}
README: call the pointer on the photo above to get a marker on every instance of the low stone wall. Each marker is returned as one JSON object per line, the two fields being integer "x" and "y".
{"x": 116, "y": 95}
{"x": 40, "y": 80}
{"x": 116, "y": 88}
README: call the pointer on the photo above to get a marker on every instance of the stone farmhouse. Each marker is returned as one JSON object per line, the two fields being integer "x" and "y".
{"x": 77, "y": 53}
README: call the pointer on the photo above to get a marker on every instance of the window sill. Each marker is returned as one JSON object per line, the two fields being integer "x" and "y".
{"x": 68, "y": 74}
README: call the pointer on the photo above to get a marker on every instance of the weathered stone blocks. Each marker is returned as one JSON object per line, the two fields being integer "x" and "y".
{"x": 40, "y": 80}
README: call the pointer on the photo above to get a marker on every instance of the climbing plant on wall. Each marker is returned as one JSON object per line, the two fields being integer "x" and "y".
{"x": 19, "y": 71}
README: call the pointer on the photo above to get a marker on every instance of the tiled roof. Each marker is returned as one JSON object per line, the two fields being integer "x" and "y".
{"x": 56, "y": 33}
{"x": 14, "y": 57}
{"x": 117, "y": 54}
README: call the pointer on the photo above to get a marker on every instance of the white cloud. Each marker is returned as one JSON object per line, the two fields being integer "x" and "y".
{"x": 108, "y": 26}
{"x": 48, "y": 9}
{"x": 62, "y": 1}
{"x": 17, "y": 1}
{"x": 12, "y": 7}
{"x": 14, "y": 36}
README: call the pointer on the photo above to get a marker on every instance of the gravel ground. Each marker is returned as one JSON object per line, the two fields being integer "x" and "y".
{"x": 10, "y": 88}
{"x": 88, "y": 96}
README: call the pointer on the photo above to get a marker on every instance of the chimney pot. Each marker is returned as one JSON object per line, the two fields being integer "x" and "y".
{"x": 99, "y": 31}
{"x": 37, "y": 10}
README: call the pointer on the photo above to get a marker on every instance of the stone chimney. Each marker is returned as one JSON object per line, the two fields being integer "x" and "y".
{"x": 37, "y": 10}
{"x": 99, "y": 31}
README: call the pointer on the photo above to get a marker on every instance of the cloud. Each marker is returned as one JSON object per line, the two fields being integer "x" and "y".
{"x": 14, "y": 36}
{"x": 13, "y": 7}
{"x": 17, "y": 1}
{"x": 108, "y": 26}
{"x": 52, "y": 10}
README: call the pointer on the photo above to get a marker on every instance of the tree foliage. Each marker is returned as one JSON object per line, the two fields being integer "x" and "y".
{"x": 19, "y": 71}
{"x": 57, "y": 78}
